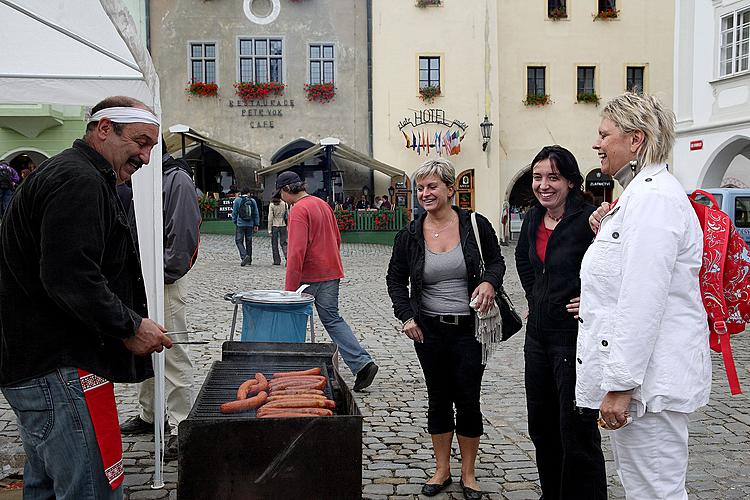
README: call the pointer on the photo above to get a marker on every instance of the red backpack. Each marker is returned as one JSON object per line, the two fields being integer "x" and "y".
{"x": 724, "y": 280}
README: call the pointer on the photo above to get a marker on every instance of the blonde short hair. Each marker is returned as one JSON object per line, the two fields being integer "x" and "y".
{"x": 631, "y": 112}
{"x": 439, "y": 167}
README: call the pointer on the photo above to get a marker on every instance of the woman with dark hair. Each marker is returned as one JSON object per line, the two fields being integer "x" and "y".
{"x": 554, "y": 237}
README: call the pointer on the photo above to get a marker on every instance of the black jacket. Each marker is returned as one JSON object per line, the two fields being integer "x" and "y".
{"x": 407, "y": 262}
{"x": 70, "y": 280}
{"x": 549, "y": 286}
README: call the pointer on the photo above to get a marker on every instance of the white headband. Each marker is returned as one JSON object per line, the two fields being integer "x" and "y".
{"x": 119, "y": 114}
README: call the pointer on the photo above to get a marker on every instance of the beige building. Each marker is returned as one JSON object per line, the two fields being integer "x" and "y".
{"x": 529, "y": 66}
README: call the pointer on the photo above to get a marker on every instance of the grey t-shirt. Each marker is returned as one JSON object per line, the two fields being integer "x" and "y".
{"x": 444, "y": 283}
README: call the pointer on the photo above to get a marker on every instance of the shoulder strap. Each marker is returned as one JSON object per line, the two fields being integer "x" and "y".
{"x": 476, "y": 236}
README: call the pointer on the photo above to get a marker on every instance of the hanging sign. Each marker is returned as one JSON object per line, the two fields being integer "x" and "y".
{"x": 444, "y": 138}
{"x": 696, "y": 145}
{"x": 465, "y": 189}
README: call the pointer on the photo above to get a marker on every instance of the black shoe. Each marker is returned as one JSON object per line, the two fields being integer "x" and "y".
{"x": 430, "y": 490}
{"x": 277, "y": 263}
{"x": 365, "y": 376}
{"x": 171, "y": 449}
{"x": 470, "y": 494}
{"x": 136, "y": 425}
{"x": 247, "y": 260}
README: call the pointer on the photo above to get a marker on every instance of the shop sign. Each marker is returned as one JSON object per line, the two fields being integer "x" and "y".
{"x": 225, "y": 208}
{"x": 262, "y": 112}
{"x": 443, "y": 138}
{"x": 696, "y": 145}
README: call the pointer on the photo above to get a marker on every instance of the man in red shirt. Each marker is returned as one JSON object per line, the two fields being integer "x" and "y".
{"x": 313, "y": 258}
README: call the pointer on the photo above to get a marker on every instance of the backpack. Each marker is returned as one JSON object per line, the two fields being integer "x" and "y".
{"x": 246, "y": 209}
{"x": 724, "y": 280}
{"x": 6, "y": 182}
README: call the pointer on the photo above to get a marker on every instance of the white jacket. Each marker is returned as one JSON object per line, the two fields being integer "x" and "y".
{"x": 643, "y": 325}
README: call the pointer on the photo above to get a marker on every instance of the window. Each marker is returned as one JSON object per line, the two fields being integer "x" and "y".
{"x": 429, "y": 72}
{"x": 634, "y": 79}
{"x": 585, "y": 80}
{"x": 735, "y": 39}
{"x": 557, "y": 8}
{"x": 607, "y": 5}
{"x": 535, "y": 84}
{"x": 203, "y": 62}
{"x": 321, "y": 63}
{"x": 742, "y": 211}
{"x": 261, "y": 60}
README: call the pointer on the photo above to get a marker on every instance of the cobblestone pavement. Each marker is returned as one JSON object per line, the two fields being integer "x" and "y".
{"x": 396, "y": 450}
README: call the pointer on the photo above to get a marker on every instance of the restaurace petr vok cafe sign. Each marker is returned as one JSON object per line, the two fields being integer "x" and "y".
{"x": 430, "y": 131}
{"x": 261, "y": 113}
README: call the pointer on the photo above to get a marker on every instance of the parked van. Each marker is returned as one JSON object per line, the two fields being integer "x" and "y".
{"x": 736, "y": 203}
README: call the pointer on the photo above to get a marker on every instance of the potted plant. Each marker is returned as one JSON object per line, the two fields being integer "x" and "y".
{"x": 428, "y": 93}
{"x": 208, "y": 205}
{"x": 536, "y": 100}
{"x": 588, "y": 97}
{"x": 321, "y": 92}
{"x": 606, "y": 14}
{"x": 557, "y": 13}
{"x": 427, "y": 3}
{"x": 383, "y": 219}
{"x": 250, "y": 91}
{"x": 202, "y": 89}
{"x": 344, "y": 219}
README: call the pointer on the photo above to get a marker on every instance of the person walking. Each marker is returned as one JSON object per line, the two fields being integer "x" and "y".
{"x": 73, "y": 306}
{"x": 314, "y": 258}
{"x": 554, "y": 236}
{"x": 9, "y": 180}
{"x": 182, "y": 219}
{"x": 246, "y": 218}
{"x": 643, "y": 351}
{"x": 434, "y": 275}
{"x": 278, "y": 212}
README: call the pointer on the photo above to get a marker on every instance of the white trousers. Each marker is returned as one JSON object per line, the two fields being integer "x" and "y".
{"x": 178, "y": 368}
{"x": 651, "y": 455}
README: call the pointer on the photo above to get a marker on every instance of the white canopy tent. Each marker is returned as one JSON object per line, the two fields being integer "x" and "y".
{"x": 77, "y": 52}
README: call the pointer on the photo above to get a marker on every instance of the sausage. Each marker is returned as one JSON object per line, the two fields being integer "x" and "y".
{"x": 302, "y": 403}
{"x": 244, "y": 387}
{"x": 306, "y": 378}
{"x": 289, "y": 397}
{"x": 286, "y": 415}
{"x": 296, "y": 392}
{"x": 322, "y": 412}
{"x": 262, "y": 384}
{"x": 300, "y": 384}
{"x": 244, "y": 404}
{"x": 311, "y": 371}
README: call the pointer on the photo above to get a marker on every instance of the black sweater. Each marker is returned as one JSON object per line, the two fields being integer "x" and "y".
{"x": 407, "y": 262}
{"x": 549, "y": 286}
{"x": 71, "y": 287}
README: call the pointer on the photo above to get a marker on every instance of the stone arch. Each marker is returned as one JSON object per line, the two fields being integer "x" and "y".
{"x": 212, "y": 171}
{"x": 35, "y": 154}
{"x": 713, "y": 171}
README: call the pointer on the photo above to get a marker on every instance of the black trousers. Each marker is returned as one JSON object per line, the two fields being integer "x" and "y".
{"x": 567, "y": 440}
{"x": 451, "y": 360}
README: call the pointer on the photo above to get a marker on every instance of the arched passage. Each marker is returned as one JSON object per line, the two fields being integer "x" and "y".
{"x": 519, "y": 197}
{"x": 312, "y": 170}
{"x": 21, "y": 159}
{"x": 212, "y": 171}
{"x": 717, "y": 165}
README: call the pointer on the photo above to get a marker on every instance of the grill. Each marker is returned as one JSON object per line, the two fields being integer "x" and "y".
{"x": 239, "y": 456}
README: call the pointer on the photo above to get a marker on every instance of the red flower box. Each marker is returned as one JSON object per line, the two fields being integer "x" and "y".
{"x": 321, "y": 92}
{"x": 251, "y": 91}
{"x": 202, "y": 89}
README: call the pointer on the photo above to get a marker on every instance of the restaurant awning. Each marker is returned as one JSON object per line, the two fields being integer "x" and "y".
{"x": 340, "y": 150}
{"x": 174, "y": 141}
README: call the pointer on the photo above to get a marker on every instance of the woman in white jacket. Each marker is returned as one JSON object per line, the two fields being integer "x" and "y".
{"x": 642, "y": 353}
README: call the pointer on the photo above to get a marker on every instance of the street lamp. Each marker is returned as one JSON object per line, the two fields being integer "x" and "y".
{"x": 486, "y": 127}
{"x": 391, "y": 191}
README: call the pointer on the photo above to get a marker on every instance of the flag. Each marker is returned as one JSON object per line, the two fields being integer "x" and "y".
{"x": 427, "y": 140}
{"x": 413, "y": 141}
{"x": 454, "y": 143}
{"x": 419, "y": 145}
{"x": 437, "y": 143}
{"x": 407, "y": 139}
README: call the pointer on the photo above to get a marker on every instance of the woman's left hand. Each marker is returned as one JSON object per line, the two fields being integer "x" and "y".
{"x": 483, "y": 296}
{"x": 573, "y": 306}
{"x": 614, "y": 408}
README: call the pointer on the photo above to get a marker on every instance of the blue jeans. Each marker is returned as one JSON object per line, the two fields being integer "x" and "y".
{"x": 243, "y": 238}
{"x": 62, "y": 456}
{"x": 326, "y": 295}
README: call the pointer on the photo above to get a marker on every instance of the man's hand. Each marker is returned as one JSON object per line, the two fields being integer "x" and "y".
{"x": 614, "y": 408}
{"x": 255, "y": 229}
{"x": 148, "y": 338}
{"x": 595, "y": 219}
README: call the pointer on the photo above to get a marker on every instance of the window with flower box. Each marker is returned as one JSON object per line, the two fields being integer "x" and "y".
{"x": 261, "y": 60}
{"x": 734, "y": 48}
{"x": 557, "y": 9}
{"x": 202, "y": 62}
{"x": 585, "y": 80}
{"x": 429, "y": 71}
{"x": 635, "y": 79}
{"x": 607, "y": 6}
{"x": 536, "y": 80}
{"x": 321, "y": 63}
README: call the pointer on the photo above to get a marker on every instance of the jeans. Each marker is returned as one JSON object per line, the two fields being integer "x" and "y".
{"x": 278, "y": 234}
{"x": 326, "y": 295}
{"x": 567, "y": 440}
{"x": 62, "y": 454}
{"x": 451, "y": 359}
{"x": 5, "y": 197}
{"x": 243, "y": 238}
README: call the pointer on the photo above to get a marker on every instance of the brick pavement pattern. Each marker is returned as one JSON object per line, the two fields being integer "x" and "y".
{"x": 396, "y": 448}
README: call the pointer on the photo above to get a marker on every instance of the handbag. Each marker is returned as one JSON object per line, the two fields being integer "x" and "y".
{"x": 511, "y": 321}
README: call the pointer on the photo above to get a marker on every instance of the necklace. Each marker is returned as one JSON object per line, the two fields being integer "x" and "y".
{"x": 436, "y": 233}
{"x": 556, "y": 219}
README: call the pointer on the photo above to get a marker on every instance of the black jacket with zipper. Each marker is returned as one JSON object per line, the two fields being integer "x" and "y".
{"x": 407, "y": 262}
{"x": 550, "y": 285}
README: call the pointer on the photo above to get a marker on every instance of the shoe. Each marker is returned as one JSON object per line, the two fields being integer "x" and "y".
{"x": 243, "y": 262}
{"x": 430, "y": 490}
{"x": 136, "y": 425}
{"x": 171, "y": 449}
{"x": 365, "y": 376}
{"x": 470, "y": 494}
{"x": 277, "y": 263}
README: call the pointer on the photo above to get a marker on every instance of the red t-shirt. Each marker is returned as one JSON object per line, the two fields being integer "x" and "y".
{"x": 314, "y": 243}
{"x": 542, "y": 237}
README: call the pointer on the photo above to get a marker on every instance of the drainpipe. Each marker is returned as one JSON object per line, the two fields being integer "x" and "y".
{"x": 369, "y": 92}
{"x": 148, "y": 25}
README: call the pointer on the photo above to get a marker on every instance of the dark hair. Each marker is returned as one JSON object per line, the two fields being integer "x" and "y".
{"x": 245, "y": 190}
{"x": 565, "y": 163}
{"x": 115, "y": 101}
{"x": 295, "y": 187}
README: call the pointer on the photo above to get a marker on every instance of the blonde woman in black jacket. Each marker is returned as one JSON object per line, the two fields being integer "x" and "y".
{"x": 554, "y": 236}
{"x": 433, "y": 275}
